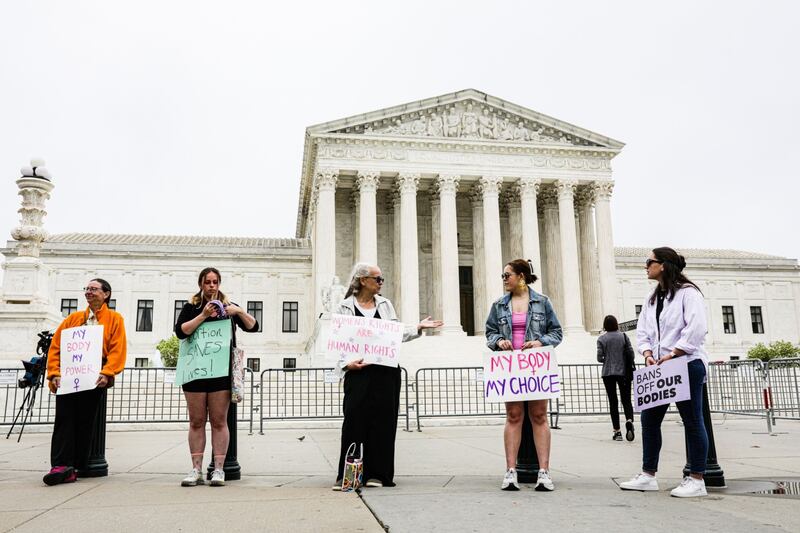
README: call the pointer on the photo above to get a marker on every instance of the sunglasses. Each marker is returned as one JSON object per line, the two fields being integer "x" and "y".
{"x": 505, "y": 275}
{"x": 379, "y": 279}
{"x": 651, "y": 261}
{"x": 92, "y": 289}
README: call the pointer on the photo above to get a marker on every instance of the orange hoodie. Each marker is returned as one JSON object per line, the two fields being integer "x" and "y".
{"x": 115, "y": 345}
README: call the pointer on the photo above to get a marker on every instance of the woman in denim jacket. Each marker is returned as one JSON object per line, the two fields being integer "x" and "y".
{"x": 520, "y": 320}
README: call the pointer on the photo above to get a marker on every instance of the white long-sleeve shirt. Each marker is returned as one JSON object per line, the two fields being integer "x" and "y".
{"x": 683, "y": 325}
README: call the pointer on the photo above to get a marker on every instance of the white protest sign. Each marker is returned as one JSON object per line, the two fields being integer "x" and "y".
{"x": 519, "y": 375}
{"x": 659, "y": 384}
{"x": 81, "y": 358}
{"x": 8, "y": 377}
{"x": 169, "y": 376}
{"x": 355, "y": 337}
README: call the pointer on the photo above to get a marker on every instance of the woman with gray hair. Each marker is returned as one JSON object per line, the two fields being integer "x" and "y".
{"x": 372, "y": 392}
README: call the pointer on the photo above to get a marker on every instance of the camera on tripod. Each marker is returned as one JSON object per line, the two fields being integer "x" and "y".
{"x": 36, "y": 368}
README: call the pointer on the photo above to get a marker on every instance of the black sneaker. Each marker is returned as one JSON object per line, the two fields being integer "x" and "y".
{"x": 629, "y": 431}
{"x": 617, "y": 435}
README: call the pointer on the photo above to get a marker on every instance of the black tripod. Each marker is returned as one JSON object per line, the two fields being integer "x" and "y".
{"x": 35, "y": 371}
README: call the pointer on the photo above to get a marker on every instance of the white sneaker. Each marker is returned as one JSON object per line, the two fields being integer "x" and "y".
{"x": 510, "y": 480}
{"x": 544, "y": 482}
{"x": 372, "y": 482}
{"x": 194, "y": 478}
{"x": 690, "y": 488}
{"x": 217, "y": 478}
{"x": 643, "y": 482}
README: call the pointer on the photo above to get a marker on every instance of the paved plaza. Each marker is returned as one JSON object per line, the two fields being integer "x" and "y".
{"x": 448, "y": 480}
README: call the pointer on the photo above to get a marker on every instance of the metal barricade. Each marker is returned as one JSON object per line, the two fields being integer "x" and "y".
{"x": 782, "y": 393}
{"x": 738, "y": 387}
{"x": 306, "y": 393}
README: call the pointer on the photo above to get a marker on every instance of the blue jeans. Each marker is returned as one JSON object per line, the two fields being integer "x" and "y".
{"x": 691, "y": 412}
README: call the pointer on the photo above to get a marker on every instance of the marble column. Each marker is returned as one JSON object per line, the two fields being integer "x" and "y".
{"x": 478, "y": 279}
{"x": 552, "y": 250}
{"x": 447, "y": 186}
{"x": 605, "y": 247}
{"x": 367, "y": 217}
{"x": 324, "y": 233}
{"x": 590, "y": 280}
{"x": 436, "y": 255}
{"x": 409, "y": 248}
{"x": 528, "y": 189}
{"x": 397, "y": 285}
{"x": 515, "y": 229}
{"x": 492, "y": 253}
{"x": 571, "y": 283}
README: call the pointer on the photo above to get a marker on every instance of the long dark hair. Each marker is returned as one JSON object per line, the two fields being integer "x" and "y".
{"x": 672, "y": 279}
{"x": 106, "y": 286}
{"x": 522, "y": 267}
{"x": 197, "y": 299}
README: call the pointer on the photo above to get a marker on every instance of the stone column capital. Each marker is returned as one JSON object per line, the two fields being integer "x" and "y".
{"x": 327, "y": 178}
{"x": 368, "y": 180}
{"x": 528, "y": 187}
{"x": 603, "y": 190}
{"x": 510, "y": 198}
{"x": 548, "y": 197}
{"x": 490, "y": 185}
{"x": 584, "y": 197}
{"x": 565, "y": 189}
{"x": 447, "y": 183}
{"x": 407, "y": 182}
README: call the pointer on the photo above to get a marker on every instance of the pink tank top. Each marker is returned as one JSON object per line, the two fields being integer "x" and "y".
{"x": 518, "y": 321}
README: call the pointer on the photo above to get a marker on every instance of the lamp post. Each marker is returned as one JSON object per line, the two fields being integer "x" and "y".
{"x": 527, "y": 460}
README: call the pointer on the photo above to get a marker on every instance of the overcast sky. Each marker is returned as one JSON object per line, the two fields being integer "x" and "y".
{"x": 189, "y": 117}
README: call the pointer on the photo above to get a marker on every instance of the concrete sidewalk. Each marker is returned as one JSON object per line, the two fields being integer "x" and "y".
{"x": 448, "y": 480}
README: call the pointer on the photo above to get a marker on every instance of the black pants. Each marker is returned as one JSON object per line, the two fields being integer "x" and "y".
{"x": 73, "y": 429}
{"x": 624, "y": 384}
{"x": 371, "y": 404}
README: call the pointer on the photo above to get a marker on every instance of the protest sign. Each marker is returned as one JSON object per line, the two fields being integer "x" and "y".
{"x": 519, "y": 375}
{"x": 356, "y": 337}
{"x": 206, "y": 353}
{"x": 81, "y": 358}
{"x": 659, "y": 384}
{"x": 8, "y": 377}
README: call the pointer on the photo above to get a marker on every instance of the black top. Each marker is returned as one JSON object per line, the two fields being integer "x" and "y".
{"x": 359, "y": 313}
{"x": 659, "y": 307}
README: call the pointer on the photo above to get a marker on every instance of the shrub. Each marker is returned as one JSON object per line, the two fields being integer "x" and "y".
{"x": 168, "y": 348}
{"x": 775, "y": 350}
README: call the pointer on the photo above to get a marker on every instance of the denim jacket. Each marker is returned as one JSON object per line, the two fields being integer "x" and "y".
{"x": 541, "y": 323}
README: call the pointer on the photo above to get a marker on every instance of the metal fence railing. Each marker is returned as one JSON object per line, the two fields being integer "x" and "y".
{"x": 783, "y": 389}
{"x": 310, "y": 393}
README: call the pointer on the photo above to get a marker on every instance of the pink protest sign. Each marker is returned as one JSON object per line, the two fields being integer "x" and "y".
{"x": 81, "y": 358}
{"x": 515, "y": 376}
{"x": 659, "y": 384}
{"x": 354, "y": 337}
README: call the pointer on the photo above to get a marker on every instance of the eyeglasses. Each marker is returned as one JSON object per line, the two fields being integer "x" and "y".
{"x": 378, "y": 279}
{"x": 505, "y": 275}
{"x": 92, "y": 289}
{"x": 651, "y": 261}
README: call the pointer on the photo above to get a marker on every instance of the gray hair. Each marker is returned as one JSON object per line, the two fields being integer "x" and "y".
{"x": 360, "y": 270}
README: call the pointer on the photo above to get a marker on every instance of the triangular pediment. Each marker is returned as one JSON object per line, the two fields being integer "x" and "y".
{"x": 467, "y": 115}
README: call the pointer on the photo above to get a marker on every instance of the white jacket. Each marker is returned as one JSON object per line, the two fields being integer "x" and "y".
{"x": 683, "y": 325}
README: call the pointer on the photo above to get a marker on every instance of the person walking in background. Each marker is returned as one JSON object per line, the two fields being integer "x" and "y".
{"x": 209, "y": 399}
{"x": 615, "y": 351}
{"x": 372, "y": 392}
{"x": 673, "y": 324}
{"x": 519, "y": 320}
{"x": 76, "y": 413}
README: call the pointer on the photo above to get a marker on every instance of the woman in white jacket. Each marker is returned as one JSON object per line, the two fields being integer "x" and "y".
{"x": 673, "y": 324}
{"x": 372, "y": 392}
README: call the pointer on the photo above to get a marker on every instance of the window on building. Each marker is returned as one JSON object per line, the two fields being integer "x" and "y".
{"x": 256, "y": 310}
{"x": 638, "y": 311}
{"x": 68, "y": 305}
{"x": 728, "y": 322}
{"x": 141, "y": 362}
{"x": 112, "y": 304}
{"x": 290, "y": 312}
{"x": 254, "y": 364}
{"x": 757, "y": 319}
{"x": 144, "y": 315}
{"x": 178, "y": 307}
{"x": 289, "y": 362}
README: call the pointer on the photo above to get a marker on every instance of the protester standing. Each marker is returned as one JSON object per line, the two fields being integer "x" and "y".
{"x": 615, "y": 351}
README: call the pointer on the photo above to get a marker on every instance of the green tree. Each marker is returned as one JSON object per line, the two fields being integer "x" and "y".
{"x": 168, "y": 348}
{"x": 775, "y": 350}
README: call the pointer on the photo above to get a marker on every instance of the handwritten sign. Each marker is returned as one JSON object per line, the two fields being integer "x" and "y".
{"x": 356, "y": 337}
{"x": 659, "y": 384}
{"x": 515, "y": 376}
{"x": 206, "y": 353}
{"x": 81, "y": 358}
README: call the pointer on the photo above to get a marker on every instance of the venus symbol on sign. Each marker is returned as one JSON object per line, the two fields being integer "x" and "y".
{"x": 77, "y": 383}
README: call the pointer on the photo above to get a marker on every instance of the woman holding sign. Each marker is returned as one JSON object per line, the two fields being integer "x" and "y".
{"x": 520, "y": 320}
{"x": 208, "y": 395}
{"x": 371, "y": 391}
{"x": 79, "y": 390}
{"x": 673, "y": 324}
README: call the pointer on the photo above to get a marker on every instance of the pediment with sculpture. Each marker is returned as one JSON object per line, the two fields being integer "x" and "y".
{"x": 468, "y": 120}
